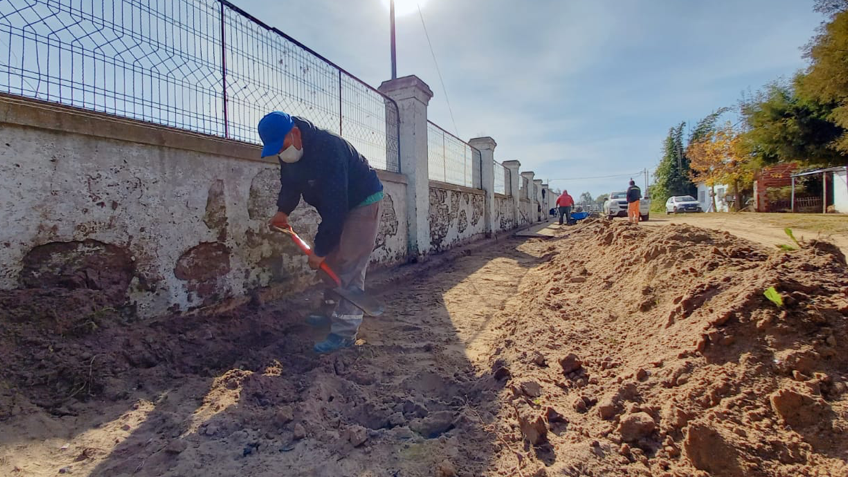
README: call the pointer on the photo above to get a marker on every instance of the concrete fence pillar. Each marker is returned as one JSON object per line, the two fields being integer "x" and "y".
{"x": 413, "y": 96}
{"x": 512, "y": 186}
{"x": 528, "y": 194}
{"x": 486, "y": 146}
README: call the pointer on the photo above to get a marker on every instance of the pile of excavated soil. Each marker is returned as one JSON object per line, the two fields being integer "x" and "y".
{"x": 636, "y": 351}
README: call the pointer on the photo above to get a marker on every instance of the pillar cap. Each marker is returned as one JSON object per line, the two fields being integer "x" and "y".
{"x": 483, "y": 143}
{"x": 528, "y": 174}
{"x": 512, "y": 164}
{"x": 408, "y": 87}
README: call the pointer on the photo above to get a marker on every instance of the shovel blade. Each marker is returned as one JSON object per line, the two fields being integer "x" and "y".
{"x": 367, "y": 304}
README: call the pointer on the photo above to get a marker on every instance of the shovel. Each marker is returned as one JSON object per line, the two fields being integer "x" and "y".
{"x": 368, "y": 305}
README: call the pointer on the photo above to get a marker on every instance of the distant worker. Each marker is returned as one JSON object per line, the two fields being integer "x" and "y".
{"x": 565, "y": 202}
{"x": 333, "y": 177}
{"x": 634, "y": 195}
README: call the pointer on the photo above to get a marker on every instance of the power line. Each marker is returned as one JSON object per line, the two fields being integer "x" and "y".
{"x": 598, "y": 177}
{"x": 439, "y": 71}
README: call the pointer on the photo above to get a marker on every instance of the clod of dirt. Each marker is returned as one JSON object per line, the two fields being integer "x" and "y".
{"x": 580, "y": 405}
{"x": 553, "y": 416}
{"x": 397, "y": 419}
{"x": 446, "y": 469}
{"x": 709, "y": 451}
{"x": 531, "y": 389}
{"x": 177, "y": 447}
{"x": 539, "y": 359}
{"x": 412, "y": 409}
{"x": 532, "y": 425}
{"x": 284, "y": 415}
{"x": 502, "y": 373}
{"x": 636, "y": 426}
{"x": 299, "y": 431}
{"x": 570, "y": 363}
{"x": 797, "y": 409}
{"x": 356, "y": 435}
{"x": 607, "y": 408}
{"x": 433, "y": 425}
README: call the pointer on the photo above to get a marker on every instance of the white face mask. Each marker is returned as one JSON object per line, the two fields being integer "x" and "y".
{"x": 290, "y": 155}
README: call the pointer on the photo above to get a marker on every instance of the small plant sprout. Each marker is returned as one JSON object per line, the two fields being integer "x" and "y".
{"x": 774, "y": 296}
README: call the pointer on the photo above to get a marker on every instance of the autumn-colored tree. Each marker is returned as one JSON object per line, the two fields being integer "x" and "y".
{"x": 826, "y": 80}
{"x": 715, "y": 159}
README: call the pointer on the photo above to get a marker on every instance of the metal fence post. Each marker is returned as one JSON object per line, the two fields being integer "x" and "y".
{"x": 341, "y": 106}
{"x": 224, "y": 71}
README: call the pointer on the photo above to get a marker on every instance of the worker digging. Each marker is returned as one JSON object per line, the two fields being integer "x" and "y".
{"x": 332, "y": 176}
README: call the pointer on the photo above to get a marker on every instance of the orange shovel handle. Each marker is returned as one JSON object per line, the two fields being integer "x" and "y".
{"x": 305, "y": 248}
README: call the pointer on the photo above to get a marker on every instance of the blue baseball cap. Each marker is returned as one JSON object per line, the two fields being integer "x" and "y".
{"x": 273, "y": 129}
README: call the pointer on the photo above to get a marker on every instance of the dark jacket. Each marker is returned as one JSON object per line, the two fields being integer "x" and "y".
{"x": 634, "y": 193}
{"x": 331, "y": 176}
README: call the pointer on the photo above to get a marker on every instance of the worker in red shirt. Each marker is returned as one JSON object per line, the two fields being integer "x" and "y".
{"x": 565, "y": 202}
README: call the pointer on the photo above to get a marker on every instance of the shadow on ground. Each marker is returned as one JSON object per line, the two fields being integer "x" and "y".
{"x": 243, "y": 393}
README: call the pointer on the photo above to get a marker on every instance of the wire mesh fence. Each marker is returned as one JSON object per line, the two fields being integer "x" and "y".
{"x": 199, "y": 65}
{"x": 503, "y": 179}
{"x": 451, "y": 159}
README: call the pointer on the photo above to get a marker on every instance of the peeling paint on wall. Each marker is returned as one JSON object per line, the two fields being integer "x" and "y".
{"x": 439, "y": 217}
{"x": 85, "y": 264}
{"x": 388, "y": 222}
{"x": 201, "y": 267}
{"x": 504, "y": 218}
{"x": 478, "y": 207}
{"x": 463, "y": 222}
{"x": 449, "y": 217}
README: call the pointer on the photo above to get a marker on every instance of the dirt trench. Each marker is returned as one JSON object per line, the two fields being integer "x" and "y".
{"x": 86, "y": 392}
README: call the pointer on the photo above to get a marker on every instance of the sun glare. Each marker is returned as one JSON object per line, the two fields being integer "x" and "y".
{"x": 406, "y": 7}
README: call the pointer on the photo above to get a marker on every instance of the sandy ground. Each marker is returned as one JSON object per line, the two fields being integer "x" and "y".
{"x": 605, "y": 349}
{"x": 767, "y": 229}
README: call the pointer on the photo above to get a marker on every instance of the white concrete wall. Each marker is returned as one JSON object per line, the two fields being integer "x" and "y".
{"x": 457, "y": 215}
{"x": 190, "y": 221}
{"x": 840, "y": 192}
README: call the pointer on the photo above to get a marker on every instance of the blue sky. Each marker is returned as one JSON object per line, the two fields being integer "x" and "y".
{"x": 571, "y": 88}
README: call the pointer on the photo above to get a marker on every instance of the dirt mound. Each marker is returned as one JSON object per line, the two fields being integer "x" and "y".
{"x": 659, "y": 354}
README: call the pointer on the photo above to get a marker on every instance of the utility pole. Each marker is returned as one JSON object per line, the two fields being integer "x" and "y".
{"x": 394, "y": 46}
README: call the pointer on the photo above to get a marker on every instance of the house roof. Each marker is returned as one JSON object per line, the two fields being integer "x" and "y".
{"x": 820, "y": 171}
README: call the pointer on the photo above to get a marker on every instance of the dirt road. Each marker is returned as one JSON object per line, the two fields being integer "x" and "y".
{"x": 767, "y": 229}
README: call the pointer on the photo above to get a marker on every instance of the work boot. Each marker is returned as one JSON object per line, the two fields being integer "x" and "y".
{"x": 334, "y": 342}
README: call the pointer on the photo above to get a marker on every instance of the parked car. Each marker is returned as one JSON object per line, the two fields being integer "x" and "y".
{"x": 682, "y": 204}
{"x": 616, "y": 206}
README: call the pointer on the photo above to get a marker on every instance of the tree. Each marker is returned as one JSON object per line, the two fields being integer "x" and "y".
{"x": 586, "y": 198}
{"x": 672, "y": 173}
{"x": 826, "y": 80}
{"x": 715, "y": 159}
{"x": 782, "y": 126}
